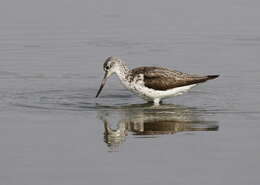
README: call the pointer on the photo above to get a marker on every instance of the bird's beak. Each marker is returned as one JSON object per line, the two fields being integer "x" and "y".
{"x": 102, "y": 83}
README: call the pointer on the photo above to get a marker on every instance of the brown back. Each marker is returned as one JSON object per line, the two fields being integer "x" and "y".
{"x": 158, "y": 78}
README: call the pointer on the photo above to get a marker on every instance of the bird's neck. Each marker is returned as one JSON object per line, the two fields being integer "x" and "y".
{"x": 122, "y": 72}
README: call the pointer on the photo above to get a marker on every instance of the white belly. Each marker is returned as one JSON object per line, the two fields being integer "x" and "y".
{"x": 152, "y": 94}
{"x": 137, "y": 87}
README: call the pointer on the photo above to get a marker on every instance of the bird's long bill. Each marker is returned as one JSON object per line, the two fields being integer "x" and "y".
{"x": 102, "y": 84}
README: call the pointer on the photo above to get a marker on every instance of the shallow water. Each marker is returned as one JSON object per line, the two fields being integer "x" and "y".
{"x": 53, "y": 130}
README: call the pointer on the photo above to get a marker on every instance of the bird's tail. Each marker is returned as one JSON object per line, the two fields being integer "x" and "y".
{"x": 211, "y": 77}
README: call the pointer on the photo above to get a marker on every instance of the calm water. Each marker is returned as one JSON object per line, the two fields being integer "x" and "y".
{"x": 53, "y": 130}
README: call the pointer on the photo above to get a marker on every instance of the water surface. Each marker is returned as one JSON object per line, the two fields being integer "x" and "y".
{"x": 53, "y": 130}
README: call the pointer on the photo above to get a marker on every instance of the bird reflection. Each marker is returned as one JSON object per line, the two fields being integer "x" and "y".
{"x": 149, "y": 121}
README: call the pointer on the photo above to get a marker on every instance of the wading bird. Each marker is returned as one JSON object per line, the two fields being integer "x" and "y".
{"x": 151, "y": 83}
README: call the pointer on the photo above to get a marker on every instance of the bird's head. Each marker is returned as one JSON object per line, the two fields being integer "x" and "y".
{"x": 111, "y": 65}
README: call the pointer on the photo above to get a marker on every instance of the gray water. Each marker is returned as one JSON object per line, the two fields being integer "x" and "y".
{"x": 53, "y": 130}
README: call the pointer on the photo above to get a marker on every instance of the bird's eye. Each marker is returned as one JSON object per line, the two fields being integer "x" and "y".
{"x": 107, "y": 67}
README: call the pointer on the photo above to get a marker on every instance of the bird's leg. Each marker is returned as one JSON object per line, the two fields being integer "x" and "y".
{"x": 156, "y": 101}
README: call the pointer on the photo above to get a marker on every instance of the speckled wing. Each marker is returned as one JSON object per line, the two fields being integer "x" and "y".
{"x": 158, "y": 78}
